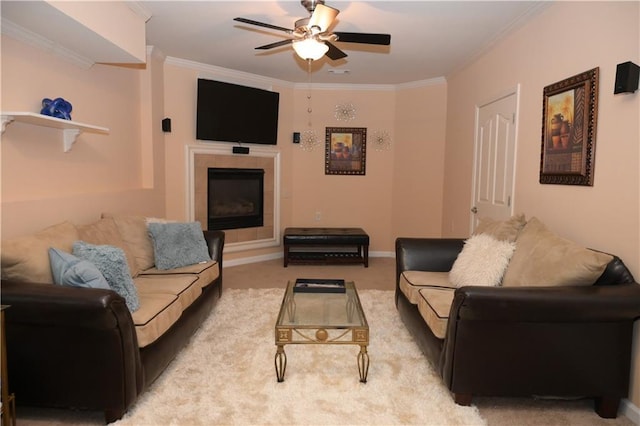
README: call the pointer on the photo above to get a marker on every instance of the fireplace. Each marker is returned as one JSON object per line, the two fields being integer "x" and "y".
{"x": 235, "y": 198}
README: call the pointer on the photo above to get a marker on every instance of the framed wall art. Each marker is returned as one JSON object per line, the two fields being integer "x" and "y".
{"x": 345, "y": 151}
{"x": 569, "y": 115}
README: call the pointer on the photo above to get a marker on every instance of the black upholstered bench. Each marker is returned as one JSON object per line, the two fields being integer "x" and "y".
{"x": 326, "y": 245}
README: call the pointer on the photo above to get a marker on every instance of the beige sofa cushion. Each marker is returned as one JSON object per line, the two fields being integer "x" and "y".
{"x": 412, "y": 281}
{"x": 105, "y": 232}
{"x": 182, "y": 286}
{"x": 169, "y": 292}
{"x": 27, "y": 258}
{"x": 502, "y": 230}
{"x": 157, "y": 313}
{"x": 134, "y": 232}
{"x": 545, "y": 259}
{"x": 206, "y": 272}
{"x": 434, "y": 305}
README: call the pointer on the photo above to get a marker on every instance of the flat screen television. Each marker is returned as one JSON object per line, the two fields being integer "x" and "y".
{"x": 232, "y": 113}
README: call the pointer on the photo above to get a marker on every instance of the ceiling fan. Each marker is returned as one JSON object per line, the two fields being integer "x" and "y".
{"x": 311, "y": 38}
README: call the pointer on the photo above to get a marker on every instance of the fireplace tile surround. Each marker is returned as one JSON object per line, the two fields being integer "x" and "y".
{"x": 217, "y": 158}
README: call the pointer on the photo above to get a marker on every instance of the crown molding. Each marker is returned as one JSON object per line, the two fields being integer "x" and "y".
{"x": 139, "y": 9}
{"x": 228, "y": 75}
{"x": 535, "y": 9}
{"x": 24, "y": 35}
{"x": 422, "y": 83}
{"x": 346, "y": 86}
{"x": 154, "y": 52}
{"x": 255, "y": 80}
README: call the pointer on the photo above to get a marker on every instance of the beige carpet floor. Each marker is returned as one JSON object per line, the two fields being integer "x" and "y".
{"x": 226, "y": 375}
{"x": 380, "y": 276}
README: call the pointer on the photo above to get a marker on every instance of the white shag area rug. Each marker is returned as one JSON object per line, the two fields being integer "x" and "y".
{"x": 226, "y": 375}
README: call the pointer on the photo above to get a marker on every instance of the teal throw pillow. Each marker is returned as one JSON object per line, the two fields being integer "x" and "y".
{"x": 178, "y": 244}
{"x": 112, "y": 263}
{"x": 69, "y": 270}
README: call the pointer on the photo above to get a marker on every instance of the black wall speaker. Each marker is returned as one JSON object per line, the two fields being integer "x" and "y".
{"x": 240, "y": 150}
{"x": 627, "y": 75}
{"x": 166, "y": 125}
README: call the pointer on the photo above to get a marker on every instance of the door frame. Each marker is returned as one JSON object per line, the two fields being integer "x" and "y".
{"x": 506, "y": 93}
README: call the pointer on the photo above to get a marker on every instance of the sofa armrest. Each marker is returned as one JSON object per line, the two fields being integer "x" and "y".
{"x": 563, "y": 341}
{"x": 521, "y": 341}
{"x": 62, "y": 341}
{"x": 54, "y": 305}
{"x": 426, "y": 254}
{"x": 547, "y": 304}
{"x": 215, "y": 243}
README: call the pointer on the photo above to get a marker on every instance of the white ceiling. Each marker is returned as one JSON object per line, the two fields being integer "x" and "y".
{"x": 429, "y": 39}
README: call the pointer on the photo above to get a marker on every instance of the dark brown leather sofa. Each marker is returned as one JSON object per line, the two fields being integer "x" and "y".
{"x": 77, "y": 348}
{"x": 527, "y": 341}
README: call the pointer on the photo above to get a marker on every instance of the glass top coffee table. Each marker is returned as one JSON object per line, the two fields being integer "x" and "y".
{"x": 322, "y": 317}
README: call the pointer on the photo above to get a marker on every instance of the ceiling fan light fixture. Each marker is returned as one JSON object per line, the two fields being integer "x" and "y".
{"x": 310, "y": 49}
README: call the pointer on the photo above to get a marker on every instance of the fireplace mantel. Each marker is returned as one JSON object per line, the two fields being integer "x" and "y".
{"x": 202, "y": 156}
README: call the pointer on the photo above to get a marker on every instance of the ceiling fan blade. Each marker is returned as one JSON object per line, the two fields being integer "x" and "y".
{"x": 334, "y": 53}
{"x": 262, "y": 24}
{"x": 276, "y": 44}
{"x": 323, "y": 17}
{"x": 366, "y": 38}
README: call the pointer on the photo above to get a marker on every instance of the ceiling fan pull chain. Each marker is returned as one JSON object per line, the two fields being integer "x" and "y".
{"x": 309, "y": 108}
{"x": 309, "y": 139}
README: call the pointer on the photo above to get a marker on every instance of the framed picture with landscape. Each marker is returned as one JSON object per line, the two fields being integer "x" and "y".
{"x": 345, "y": 151}
{"x": 569, "y": 114}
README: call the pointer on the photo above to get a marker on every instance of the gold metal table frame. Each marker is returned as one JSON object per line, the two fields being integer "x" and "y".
{"x": 322, "y": 318}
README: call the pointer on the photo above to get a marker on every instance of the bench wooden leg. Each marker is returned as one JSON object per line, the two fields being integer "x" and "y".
{"x": 286, "y": 255}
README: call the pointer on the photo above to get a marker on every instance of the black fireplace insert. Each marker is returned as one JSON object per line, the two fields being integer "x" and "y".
{"x": 235, "y": 198}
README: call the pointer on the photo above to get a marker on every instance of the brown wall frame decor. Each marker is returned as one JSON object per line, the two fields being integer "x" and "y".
{"x": 345, "y": 151}
{"x": 569, "y": 115}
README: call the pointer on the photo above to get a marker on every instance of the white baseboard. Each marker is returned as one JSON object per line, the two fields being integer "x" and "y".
{"x": 382, "y": 254}
{"x": 248, "y": 260}
{"x": 279, "y": 255}
{"x": 631, "y": 411}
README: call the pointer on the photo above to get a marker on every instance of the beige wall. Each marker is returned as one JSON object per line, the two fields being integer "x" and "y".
{"x": 126, "y": 170}
{"x": 414, "y": 119}
{"x": 180, "y": 84}
{"x": 344, "y": 200}
{"x": 41, "y": 184}
{"x": 567, "y": 38}
{"x": 401, "y": 192}
{"x": 421, "y": 186}
{"x": 418, "y": 169}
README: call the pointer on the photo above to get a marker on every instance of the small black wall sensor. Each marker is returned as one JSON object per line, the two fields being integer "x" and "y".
{"x": 166, "y": 125}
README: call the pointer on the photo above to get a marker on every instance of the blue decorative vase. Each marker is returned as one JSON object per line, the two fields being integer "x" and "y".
{"x": 58, "y": 108}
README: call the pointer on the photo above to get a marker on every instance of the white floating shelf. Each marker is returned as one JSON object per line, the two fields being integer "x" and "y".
{"x": 70, "y": 129}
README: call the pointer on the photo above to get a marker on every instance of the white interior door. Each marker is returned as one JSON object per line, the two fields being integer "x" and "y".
{"x": 495, "y": 146}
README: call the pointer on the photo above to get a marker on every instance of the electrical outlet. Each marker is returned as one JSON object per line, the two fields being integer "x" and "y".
{"x": 318, "y": 216}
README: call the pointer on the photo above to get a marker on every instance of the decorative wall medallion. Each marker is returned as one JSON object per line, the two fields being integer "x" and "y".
{"x": 308, "y": 140}
{"x": 381, "y": 140}
{"x": 345, "y": 112}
